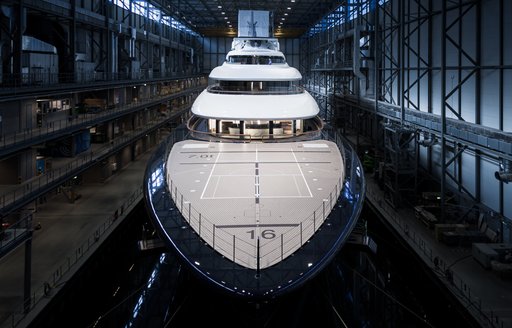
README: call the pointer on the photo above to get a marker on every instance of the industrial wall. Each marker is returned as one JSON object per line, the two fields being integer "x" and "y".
{"x": 469, "y": 50}
{"x": 442, "y": 69}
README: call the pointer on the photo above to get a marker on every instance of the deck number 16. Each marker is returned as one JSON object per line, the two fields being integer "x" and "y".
{"x": 265, "y": 234}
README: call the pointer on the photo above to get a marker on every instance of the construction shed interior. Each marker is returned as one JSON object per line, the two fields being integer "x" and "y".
{"x": 421, "y": 88}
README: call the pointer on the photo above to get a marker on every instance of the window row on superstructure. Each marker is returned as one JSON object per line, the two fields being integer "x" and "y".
{"x": 259, "y": 87}
{"x": 256, "y": 60}
{"x": 255, "y": 129}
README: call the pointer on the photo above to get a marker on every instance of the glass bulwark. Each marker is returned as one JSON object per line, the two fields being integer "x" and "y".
{"x": 256, "y": 87}
{"x": 262, "y": 130}
{"x": 174, "y": 226}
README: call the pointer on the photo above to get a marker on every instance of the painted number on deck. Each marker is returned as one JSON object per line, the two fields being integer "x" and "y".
{"x": 265, "y": 234}
{"x": 200, "y": 156}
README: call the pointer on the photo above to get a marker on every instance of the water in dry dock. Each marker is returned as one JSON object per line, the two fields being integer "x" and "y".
{"x": 123, "y": 287}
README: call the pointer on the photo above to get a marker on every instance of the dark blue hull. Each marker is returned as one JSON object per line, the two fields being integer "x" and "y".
{"x": 270, "y": 282}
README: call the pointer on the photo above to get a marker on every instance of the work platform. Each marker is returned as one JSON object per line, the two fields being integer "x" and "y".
{"x": 484, "y": 293}
{"x": 69, "y": 234}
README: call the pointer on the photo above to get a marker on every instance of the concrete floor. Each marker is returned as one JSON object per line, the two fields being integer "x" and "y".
{"x": 68, "y": 235}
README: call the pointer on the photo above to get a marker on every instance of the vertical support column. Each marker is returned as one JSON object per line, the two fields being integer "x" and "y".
{"x": 326, "y": 112}
{"x": 72, "y": 42}
{"x": 376, "y": 65}
{"x": 478, "y": 112}
{"x": 429, "y": 81}
{"x": 500, "y": 101}
{"x": 133, "y": 147}
{"x": 131, "y": 43}
{"x": 149, "y": 55}
{"x": 27, "y": 275}
{"x": 241, "y": 127}
{"x": 161, "y": 51}
{"x": 401, "y": 57}
{"x": 111, "y": 61}
{"x": 419, "y": 72}
{"x": 501, "y": 62}
{"x": 18, "y": 29}
{"x": 443, "y": 107}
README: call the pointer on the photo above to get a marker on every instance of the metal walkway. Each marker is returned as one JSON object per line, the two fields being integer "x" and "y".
{"x": 69, "y": 234}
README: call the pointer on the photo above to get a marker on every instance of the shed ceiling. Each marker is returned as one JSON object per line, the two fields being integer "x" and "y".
{"x": 214, "y": 17}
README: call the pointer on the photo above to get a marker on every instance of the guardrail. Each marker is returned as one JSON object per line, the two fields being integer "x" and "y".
{"x": 258, "y": 255}
{"x": 15, "y": 233}
{"x": 58, "y": 175}
{"x": 346, "y": 206}
{"x": 50, "y": 128}
{"x": 195, "y": 121}
{"x": 443, "y": 269}
{"x": 56, "y": 279}
{"x": 16, "y": 83}
{"x": 266, "y": 91}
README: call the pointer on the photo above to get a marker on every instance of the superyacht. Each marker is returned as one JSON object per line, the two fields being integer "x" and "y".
{"x": 259, "y": 194}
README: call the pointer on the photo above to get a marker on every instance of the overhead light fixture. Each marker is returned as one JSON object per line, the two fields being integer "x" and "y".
{"x": 429, "y": 139}
{"x": 505, "y": 172}
{"x": 286, "y": 14}
{"x": 289, "y": 8}
{"x": 219, "y": 7}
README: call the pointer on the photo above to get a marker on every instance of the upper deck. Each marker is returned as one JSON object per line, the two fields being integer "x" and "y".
{"x": 254, "y": 106}
{"x": 255, "y": 59}
{"x": 241, "y": 72}
{"x": 238, "y": 195}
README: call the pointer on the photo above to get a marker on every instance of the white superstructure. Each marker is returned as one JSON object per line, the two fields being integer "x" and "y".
{"x": 255, "y": 90}
{"x": 281, "y": 190}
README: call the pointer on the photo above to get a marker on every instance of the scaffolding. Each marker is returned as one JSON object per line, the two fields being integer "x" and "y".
{"x": 400, "y": 168}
